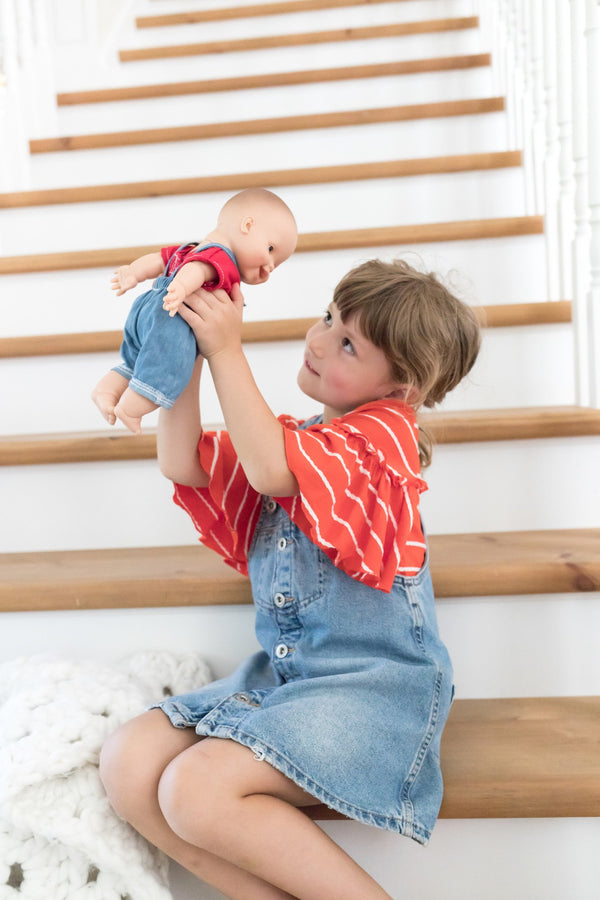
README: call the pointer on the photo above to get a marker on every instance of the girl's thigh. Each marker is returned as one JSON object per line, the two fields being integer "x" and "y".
{"x": 222, "y": 768}
{"x": 135, "y": 756}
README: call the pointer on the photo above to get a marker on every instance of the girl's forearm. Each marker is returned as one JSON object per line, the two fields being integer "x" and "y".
{"x": 255, "y": 432}
{"x": 179, "y": 430}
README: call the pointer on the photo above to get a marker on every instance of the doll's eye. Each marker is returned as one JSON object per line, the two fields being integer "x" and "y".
{"x": 271, "y": 248}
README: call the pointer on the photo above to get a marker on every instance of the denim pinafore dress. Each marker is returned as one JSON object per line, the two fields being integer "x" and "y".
{"x": 351, "y": 689}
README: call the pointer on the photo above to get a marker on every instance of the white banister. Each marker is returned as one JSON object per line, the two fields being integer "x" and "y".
{"x": 14, "y": 153}
{"x": 546, "y": 57}
{"x": 581, "y": 239}
{"x": 592, "y": 34}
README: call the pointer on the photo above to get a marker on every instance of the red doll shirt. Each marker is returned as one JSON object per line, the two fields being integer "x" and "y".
{"x": 214, "y": 254}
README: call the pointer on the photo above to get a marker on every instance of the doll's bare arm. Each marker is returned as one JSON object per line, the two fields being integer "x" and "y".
{"x": 179, "y": 430}
{"x": 190, "y": 277}
{"x": 126, "y": 277}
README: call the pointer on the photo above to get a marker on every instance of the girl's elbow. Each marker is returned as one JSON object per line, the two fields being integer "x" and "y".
{"x": 273, "y": 483}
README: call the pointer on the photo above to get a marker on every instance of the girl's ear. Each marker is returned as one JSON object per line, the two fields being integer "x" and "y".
{"x": 405, "y": 392}
{"x": 246, "y": 224}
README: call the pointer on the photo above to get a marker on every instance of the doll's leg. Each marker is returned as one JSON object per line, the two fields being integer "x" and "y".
{"x": 131, "y": 407}
{"x": 132, "y": 762}
{"x": 107, "y": 394}
{"x": 218, "y": 796}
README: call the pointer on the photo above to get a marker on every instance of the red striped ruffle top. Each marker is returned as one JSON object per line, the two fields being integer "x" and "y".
{"x": 359, "y": 480}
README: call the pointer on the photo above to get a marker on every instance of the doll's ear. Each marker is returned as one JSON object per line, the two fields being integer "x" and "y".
{"x": 246, "y": 224}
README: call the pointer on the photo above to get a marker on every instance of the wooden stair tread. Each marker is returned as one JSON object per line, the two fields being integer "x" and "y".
{"x": 518, "y": 758}
{"x": 462, "y": 565}
{"x": 242, "y": 12}
{"x": 275, "y": 79}
{"x": 491, "y": 316}
{"x": 470, "y": 229}
{"x": 269, "y": 125}
{"x": 530, "y": 423}
{"x": 399, "y": 168}
{"x": 297, "y": 39}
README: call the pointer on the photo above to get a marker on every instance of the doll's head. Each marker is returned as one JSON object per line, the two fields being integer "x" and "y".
{"x": 260, "y": 230}
{"x": 429, "y": 337}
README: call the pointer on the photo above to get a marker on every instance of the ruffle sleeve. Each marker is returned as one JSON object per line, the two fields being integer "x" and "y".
{"x": 226, "y": 512}
{"x": 360, "y": 483}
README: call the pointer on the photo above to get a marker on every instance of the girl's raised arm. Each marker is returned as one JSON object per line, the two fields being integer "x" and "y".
{"x": 255, "y": 432}
{"x": 179, "y": 430}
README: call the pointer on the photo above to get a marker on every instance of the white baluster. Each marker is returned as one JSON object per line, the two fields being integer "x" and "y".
{"x": 538, "y": 135}
{"x": 14, "y": 147}
{"x": 592, "y": 34}
{"x": 581, "y": 241}
{"x": 551, "y": 174}
{"x": 565, "y": 211}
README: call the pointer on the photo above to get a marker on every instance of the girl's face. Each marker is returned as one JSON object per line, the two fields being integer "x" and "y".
{"x": 342, "y": 369}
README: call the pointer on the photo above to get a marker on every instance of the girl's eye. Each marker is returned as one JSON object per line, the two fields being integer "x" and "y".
{"x": 327, "y": 317}
{"x": 347, "y": 345}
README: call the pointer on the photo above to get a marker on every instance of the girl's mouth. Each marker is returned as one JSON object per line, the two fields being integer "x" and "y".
{"x": 309, "y": 367}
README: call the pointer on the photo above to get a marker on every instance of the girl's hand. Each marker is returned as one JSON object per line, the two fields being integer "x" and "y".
{"x": 123, "y": 280}
{"x": 216, "y": 319}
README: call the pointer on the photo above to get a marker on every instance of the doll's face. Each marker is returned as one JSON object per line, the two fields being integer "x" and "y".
{"x": 262, "y": 242}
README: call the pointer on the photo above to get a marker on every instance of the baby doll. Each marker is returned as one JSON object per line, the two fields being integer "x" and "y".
{"x": 255, "y": 232}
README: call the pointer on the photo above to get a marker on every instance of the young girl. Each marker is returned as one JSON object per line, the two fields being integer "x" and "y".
{"x": 346, "y": 702}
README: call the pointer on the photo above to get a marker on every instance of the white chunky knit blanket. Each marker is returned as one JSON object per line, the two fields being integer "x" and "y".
{"x": 59, "y": 838}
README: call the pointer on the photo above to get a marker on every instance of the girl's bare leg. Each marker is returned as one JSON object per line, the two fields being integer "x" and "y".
{"x": 132, "y": 762}
{"x": 218, "y": 796}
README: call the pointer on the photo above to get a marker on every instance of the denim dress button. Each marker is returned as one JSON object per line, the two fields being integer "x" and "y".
{"x": 279, "y": 600}
{"x": 281, "y": 651}
{"x": 270, "y": 505}
{"x": 282, "y": 543}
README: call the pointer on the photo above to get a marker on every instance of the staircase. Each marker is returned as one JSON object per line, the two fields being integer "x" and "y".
{"x": 378, "y": 124}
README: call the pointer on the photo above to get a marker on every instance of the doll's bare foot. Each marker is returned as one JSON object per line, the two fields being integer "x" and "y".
{"x": 107, "y": 393}
{"x": 130, "y": 409}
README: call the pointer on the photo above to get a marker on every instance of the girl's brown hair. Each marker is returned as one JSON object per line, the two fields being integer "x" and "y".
{"x": 430, "y": 338}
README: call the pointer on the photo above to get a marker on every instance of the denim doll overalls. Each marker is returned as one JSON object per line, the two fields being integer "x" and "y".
{"x": 352, "y": 688}
{"x": 159, "y": 351}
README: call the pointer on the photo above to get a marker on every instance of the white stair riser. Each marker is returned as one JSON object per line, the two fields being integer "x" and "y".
{"x": 259, "y": 62}
{"x": 68, "y": 380}
{"x": 320, "y": 207}
{"x": 302, "y": 99}
{"x": 294, "y": 22}
{"x": 480, "y": 271}
{"x": 554, "y": 630}
{"x": 504, "y": 486}
{"x": 262, "y": 152}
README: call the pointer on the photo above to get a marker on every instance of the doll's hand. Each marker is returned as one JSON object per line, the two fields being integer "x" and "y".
{"x": 123, "y": 280}
{"x": 174, "y": 297}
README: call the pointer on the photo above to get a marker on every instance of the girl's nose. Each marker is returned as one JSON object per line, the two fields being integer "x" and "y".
{"x": 314, "y": 341}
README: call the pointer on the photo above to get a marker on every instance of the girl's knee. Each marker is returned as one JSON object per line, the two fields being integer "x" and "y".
{"x": 193, "y": 794}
